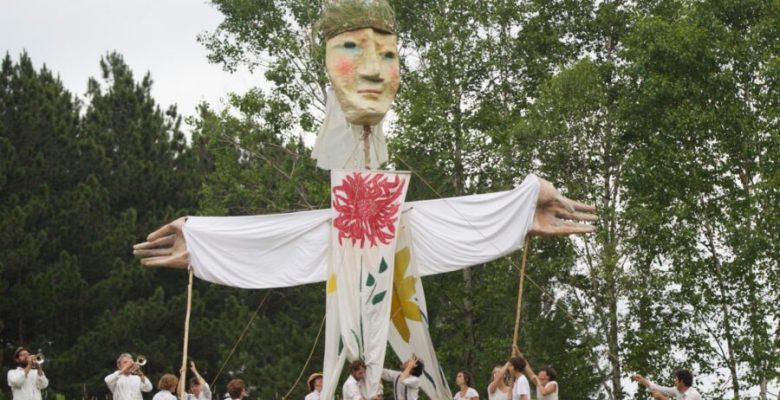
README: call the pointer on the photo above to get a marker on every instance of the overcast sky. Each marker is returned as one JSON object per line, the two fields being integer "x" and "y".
{"x": 160, "y": 37}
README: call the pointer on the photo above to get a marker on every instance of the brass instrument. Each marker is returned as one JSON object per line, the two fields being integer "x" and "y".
{"x": 139, "y": 362}
{"x": 37, "y": 359}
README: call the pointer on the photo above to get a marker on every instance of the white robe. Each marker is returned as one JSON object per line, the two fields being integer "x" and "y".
{"x": 282, "y": 250}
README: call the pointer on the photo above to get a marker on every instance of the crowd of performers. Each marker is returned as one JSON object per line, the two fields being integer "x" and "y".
{"x": 510, "y": 381}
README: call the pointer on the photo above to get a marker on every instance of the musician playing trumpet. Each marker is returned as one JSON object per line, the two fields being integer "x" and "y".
{"x": 128, "y": 381}
{"x": 28, "y": 379}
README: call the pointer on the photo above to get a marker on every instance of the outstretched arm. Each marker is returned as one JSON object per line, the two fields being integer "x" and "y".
{"x": 248, "y": 252}
{"x": 454, "y": 233}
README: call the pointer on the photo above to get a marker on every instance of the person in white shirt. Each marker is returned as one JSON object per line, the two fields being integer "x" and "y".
{"x": 464, "y": 380}
{"x": 499, "y": 388}
{"x": 521, "y": 390}
{"x": 236, "y": 388}
{"x": 28, "y": 379}
{"x": 351, "y": 389}
{"x": 167, "y": 387}
{"x": 199, "y": 389}
{"x": 545, "y": 381}
{"x": 123, "y": 384}
{"x": 406, "y": 383}
{"x": 315, "y": 386}
{"x": 683, "y": 382}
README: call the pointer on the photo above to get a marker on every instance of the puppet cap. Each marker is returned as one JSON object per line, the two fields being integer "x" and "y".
{"x": 341, "y": 16}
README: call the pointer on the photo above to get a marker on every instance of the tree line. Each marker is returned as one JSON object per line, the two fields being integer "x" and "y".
{"x": 664, "y": 114}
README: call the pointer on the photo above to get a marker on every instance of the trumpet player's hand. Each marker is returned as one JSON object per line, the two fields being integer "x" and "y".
{"x": 127, "y": 369}
{"x": 165, "y": 247}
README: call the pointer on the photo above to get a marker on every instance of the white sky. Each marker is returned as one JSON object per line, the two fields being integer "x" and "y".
{"x": 160, "y": 37}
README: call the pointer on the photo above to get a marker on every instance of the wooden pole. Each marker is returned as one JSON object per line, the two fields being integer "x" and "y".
{"x": 183, "y": 377}
{"x": 520, "y": 293}
{"x": 366, "y": 146}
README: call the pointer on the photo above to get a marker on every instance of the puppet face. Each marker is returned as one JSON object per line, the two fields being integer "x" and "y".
{"x": 363, "y": 68}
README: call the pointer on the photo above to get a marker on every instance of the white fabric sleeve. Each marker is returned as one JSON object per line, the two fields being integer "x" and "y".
{"x": 389, "y": 375}
{"x": 111, "y": 380}
{"x": 411, "y": 382}
{"x": 42, "y": 382}
{"x": 16, "y": 378}
{"x": 664, "y": 390}
{"x": 262, "y": 251}
{"x": 146, "y": 384}
{"x": 458, "y": 232}
{"x": 205, "y": 392}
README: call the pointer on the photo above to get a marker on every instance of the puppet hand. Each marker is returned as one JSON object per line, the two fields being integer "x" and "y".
{"x": 557, "y": 215}
{"x": 165, "y": 247}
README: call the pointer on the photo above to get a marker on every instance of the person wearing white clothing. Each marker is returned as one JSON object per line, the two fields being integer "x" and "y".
{"x": 315, "y": 386}
{"x": 199, "y": 389}
{"x": 464, "y": 380}
{"x": 520, "y": 390}
{"x": 25, "y": 381}
{"x": 123, "y": 384}
{"x": 351, "y": 390}
{"x": 682, "y": 389}
{"x": 499, "y": 385}
{"x": 545, "y": 381}
{"x": 406, "y": 383}
{"x": 166, "y": 386}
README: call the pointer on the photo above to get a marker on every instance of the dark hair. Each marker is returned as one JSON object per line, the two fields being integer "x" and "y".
{"x": 194, "y": 381}
{"x": 235, "y": 387}
{"x": 551, "y": 374}
{"x": 19, "y": 350}
{"x": 418, "y": 369}
{"x": 685, "y": 376}
{"x": 518, "y": 363}
{"x": 467, "y": 378}
{"x": 356, "y": 365}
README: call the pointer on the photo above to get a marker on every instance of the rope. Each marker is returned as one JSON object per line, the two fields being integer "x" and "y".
{"x": 511, "y": 263}
{"x": 183, "y": 378}
{"x": 240, "y": 337}
{"x": 520, "y": 293}
{"x": 311, "y": 353}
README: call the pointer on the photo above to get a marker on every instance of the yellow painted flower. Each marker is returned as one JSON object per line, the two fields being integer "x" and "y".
{"x": 331, "y": 284}
{"x": 403, "y": 307}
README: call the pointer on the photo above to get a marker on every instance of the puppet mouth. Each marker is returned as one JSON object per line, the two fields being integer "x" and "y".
{"x": 370, "y": 92}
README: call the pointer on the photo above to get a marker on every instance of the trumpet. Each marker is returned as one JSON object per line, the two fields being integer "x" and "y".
{"x": 37, "y": 359}
{"x": 139, "y": 362}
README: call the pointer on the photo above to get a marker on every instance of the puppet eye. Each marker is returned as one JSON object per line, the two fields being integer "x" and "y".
{"x": 389, "y": 55}
{"x": 350, "y": 45}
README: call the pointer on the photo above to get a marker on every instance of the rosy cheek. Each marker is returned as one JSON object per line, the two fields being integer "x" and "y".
{"x": 394, "y": 77}
{"x": 345, "y": 68}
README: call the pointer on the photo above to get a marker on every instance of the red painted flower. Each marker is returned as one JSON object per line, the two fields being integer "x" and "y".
{"x": 367, "y": 207}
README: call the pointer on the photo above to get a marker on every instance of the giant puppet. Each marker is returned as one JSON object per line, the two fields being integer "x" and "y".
{"x": 371, "y": 247}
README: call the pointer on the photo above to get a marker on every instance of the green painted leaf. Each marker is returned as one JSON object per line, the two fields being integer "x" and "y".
{"x": 378, "y": 298}
{"x": 382, "y": 265}
{"x": 370, "y": 281}
{"x": 341, "y": 344}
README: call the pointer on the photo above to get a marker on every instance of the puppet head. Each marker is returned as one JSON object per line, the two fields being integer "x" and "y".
{"x": 361, "y": 57}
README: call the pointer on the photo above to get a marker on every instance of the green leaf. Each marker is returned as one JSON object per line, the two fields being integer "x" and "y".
{"x": 370, "y": 281}
{"x": 382, "y": 266}
{"x": 378, "y": 297}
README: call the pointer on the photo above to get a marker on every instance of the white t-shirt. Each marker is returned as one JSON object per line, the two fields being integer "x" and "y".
{"x": 351, "y": 389}
{"x": 407, "y": 389}
{"x": 314, "y": 395}
{"x": 127, "y": 387}
{"x": 164, "y": 395}
{"x": 470, "y": 394}
{"x": 690, "y": 394}
{"x": 26, "y": 387}
{"x": 520, "y": 388}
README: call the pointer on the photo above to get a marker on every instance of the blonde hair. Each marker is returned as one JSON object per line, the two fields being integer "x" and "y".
{"x": 168, "y": 382}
